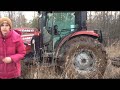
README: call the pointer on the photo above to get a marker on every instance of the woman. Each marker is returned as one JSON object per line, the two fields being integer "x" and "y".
{"x": 12, "y": 50}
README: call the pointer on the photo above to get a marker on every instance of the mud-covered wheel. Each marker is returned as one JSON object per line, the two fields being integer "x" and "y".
{"x": 82, "y": 57}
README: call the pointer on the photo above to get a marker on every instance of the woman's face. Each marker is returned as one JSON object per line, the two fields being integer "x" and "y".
{"x": 5, "y": 28}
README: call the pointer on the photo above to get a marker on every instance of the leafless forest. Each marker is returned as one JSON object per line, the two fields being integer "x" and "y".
{"x": 19, "y": 19}
{"x": 107, "y": 21}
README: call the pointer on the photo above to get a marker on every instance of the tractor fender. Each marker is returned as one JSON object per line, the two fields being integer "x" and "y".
{"x": 72, "y": 35}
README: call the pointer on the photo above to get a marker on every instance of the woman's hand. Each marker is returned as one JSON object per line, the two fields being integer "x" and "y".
{"x": 7, "y": 60}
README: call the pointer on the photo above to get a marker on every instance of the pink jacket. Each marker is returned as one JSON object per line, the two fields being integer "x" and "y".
{"x": 11, "y": 46}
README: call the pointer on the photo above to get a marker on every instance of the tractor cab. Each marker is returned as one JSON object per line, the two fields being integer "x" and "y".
{"x": 57, "y": 24}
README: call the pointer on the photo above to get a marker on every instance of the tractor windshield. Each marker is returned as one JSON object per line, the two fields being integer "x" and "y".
{"x": 65, "y": 21}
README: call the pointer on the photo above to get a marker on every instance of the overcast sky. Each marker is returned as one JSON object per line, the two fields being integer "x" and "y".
{"x": 29, "y": 14}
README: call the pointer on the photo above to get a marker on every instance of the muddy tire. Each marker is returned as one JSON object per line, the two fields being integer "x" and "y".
{"x": 82, "y": 57}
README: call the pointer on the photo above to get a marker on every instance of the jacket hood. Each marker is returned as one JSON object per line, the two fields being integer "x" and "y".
{"x": 13, "y": 34}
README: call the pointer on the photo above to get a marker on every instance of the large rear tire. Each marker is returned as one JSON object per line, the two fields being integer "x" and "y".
{"x": 82, "y": 57}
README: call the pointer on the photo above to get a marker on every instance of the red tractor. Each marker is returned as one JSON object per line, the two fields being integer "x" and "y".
{"x": 66, "y": 44}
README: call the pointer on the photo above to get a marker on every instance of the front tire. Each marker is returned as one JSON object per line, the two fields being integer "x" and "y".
{"x": 82, "y": 57}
